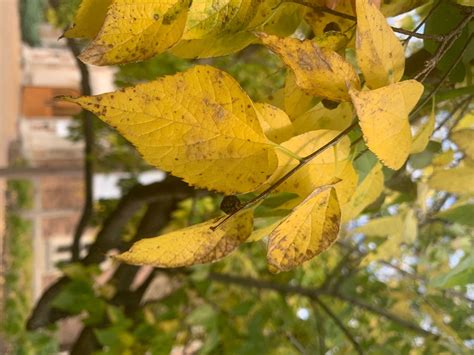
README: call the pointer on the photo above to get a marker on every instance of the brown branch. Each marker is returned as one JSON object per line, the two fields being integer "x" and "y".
{"x": 441, "y": 81}
{"x": 305, "y": 160}
{"x": 437, "y": 38}
{"x": 339, "y": 324}
{"x": 433, "y": 8}
{"x": 316, "y": 292}
{"x": 89, "y": 138}
{"x": 445, "y": 45}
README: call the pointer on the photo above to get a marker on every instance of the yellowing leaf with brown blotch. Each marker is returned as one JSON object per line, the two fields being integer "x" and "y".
{"x": 322, "y": 170}
{"x": 89, "y": 19}
{"x": 319, "y": 71}
{"x": 309, "y": 230}
{"x": 199, "y": 125}
{"x": 135, "y": 30}
{"x": 320, "y": 117}
{"x": 197, "y": 244}
{"x": 275, "y": 122}
{"x": 464, "y": 139}
{"x": 383, "y": 118}
{"x": 422, "y": 137}
{"x": 380, "y": 54}
{"x": 366, "y": 193}
{"x": 459, "y": 180}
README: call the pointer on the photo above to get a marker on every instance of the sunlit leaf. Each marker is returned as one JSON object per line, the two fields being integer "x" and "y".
{"x": 199, "y": 125}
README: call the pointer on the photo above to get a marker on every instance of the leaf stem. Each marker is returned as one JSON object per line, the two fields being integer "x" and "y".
{"x": 288, "y": 152}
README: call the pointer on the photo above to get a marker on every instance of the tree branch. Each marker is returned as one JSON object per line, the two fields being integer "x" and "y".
{"x": 316, "y": 292}
{"x": 108, "y": 238}
{"x": 88, "y": 131}
{"x": 290, "y": 173}
{"x": 437, "y": 38}
{"x": 339, "y": 324}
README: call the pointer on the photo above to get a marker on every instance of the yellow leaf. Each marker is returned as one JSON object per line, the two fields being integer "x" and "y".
{"x": 458, "y": 180}
{"x": 381, "y": 227}
{"x": 89, "y": 19}
{"x": 380, "y": 54}
{"x": 309, "y": 230}
{"x": 422, "y": 138}
{"x": 464, "y": 139}
{"x": 219, "y": 27}
{"x": 443, "y": 158}
{"x": 466, "y": 122}
{"x": 320, "y": 117}
{"x": 259, "y": 234}
{"x": 275, "y": 122}
{"x": 365, "y": 194}
{"x": 199, "y": 125}
{"x": 319, "y": 71}
{"x": 318, "y": 172}
{"x": 383, "y": 117}
{"x": 197, "y": 244}
{"x": 135, "y": 30}
{"x": 296, "y": 101}
{"x": 400, "y": 229}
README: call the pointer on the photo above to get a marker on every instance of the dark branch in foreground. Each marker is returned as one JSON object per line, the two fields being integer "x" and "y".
{"x": 109, "y": 237}
{"x": 89, "y": 138}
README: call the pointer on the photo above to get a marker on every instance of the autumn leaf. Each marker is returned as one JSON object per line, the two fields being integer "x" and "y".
{"x": 137, "y": 30}
{"x": 380, "y": 54}
{"x": 319, "y": 171}
{"x": 464, "y": 139}
{"x": 383, "y": 118}
{"x": 197, "y": 244}
{"x": 309, "y": 230}
{"x": 458, "y": 180}
{"x": 89, "y": 19}
{"x": 320, "y": 117}
{"x": 216, "y": 28}
{"x": 319, "y": 71}
{"x": 366, "y": 192}
{"x": 275, "y": 122}
{"x": 296, "y": 101}
{"x": 199, "y": 125}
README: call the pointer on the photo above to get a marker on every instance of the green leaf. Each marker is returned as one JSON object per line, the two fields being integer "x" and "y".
{"x": 461, "y": 275}
{"x": 460, "y": 214}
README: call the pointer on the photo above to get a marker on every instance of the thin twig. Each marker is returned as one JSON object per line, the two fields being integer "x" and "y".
{"x": 433, "y": 8}
{"x": 441, "y": 81}
{"x": 315, "y": 292}
{"x": 339, "y": 324}
{"x": 305, "y": 160}
{"x": 445, "y": 45}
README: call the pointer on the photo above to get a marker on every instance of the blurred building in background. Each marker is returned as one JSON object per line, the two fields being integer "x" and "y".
{"x": 34, "y": 140}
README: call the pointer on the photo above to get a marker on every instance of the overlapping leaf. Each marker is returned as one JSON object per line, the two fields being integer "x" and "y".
{"x": 458, "y": 180}
{"x": 197, "y": 244}
{"x": 309, "y": 230}
{"x": 199, "y": 125}
{"x": 135, "y": 30}
{"x": 89, "y": 19}
{"x": 319, "y": 71}
{"x": 383, "y": 117}
{"x": 380, "y": 54}
{"x": 367, "y": 192}
{"x": 275, "y": 122}
{"x": 422, "y": 137}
